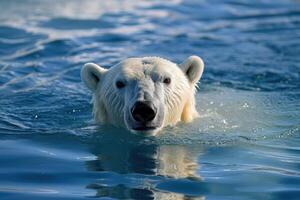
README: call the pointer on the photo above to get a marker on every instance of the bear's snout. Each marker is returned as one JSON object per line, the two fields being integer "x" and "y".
{"x": 143, "y": 111}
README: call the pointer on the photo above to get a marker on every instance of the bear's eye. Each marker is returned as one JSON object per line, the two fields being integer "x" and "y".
{"x": 120, "y": 84}
{"x": 167, "y": 81}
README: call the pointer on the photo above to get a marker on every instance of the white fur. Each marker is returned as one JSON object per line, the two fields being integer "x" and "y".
{"x": 110, "y": 104}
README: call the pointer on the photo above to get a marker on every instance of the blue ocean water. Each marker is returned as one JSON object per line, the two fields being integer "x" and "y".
{"x": 245, "y": 145}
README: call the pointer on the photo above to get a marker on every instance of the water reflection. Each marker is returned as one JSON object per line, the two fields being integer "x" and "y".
{"x": 131, "y": 166}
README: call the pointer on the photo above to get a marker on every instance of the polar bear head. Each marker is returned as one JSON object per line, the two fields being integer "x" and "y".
{"x": 144, "y": 94}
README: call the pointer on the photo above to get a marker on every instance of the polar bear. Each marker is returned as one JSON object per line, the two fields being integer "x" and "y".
{"x": 144, "y": 94}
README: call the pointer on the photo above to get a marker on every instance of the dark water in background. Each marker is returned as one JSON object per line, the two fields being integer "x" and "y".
{"x": 244, "y": 146}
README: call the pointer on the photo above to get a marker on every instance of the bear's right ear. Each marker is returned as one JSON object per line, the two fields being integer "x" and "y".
{"x": 91, "y": 74}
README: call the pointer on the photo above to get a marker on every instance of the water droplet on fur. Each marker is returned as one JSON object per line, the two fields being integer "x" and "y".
{"x": 224, "y": 121}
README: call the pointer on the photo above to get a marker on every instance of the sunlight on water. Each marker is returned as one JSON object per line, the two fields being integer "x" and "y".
{"x": 228, "y": 115}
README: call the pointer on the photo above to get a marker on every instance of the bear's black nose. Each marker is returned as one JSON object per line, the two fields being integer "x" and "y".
{"x": 143, "y": 111}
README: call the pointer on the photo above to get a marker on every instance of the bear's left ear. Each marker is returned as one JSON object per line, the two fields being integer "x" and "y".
{"x": 193, "y": 68}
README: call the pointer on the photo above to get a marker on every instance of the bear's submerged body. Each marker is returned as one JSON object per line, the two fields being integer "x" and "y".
{"x": 144, "y": 94}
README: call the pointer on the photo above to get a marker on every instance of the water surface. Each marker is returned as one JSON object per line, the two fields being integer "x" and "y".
{"x": 245, "y": 145}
